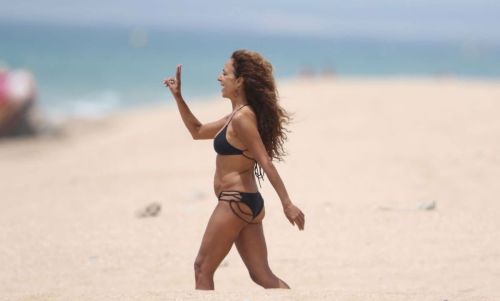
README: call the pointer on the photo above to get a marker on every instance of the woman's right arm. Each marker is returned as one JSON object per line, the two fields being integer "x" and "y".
{"x": 194, "y": 126}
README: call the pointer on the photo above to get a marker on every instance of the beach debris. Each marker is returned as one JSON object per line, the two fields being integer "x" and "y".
{"x": 427, "y": 206}
{"x": 150, "y": 210}
{"x": 424, "y": 206}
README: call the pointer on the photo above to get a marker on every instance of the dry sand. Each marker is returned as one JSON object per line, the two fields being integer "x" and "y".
{"x": 399, "y": 180}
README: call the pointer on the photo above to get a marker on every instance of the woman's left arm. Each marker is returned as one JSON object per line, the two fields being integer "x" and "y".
{"x": 245, "y": 125}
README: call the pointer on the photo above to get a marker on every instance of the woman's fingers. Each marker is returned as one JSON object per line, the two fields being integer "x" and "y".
{"x": 300, "y": 221}
{"x": 178, "y": 73}
{"x": 168, "y": 80}
{"x": 295, "y": 216}
{"x": 174, "y": 83}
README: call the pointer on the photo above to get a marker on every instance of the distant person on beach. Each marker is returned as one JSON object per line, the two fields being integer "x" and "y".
{"x": 17, "y": 97}
{"x": 246, "y": 141}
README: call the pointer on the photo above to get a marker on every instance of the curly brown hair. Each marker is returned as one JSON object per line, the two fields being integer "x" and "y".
{"x": 262, "y": 96}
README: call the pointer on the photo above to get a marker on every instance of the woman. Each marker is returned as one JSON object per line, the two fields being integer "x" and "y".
{"x": 246, "y": 141}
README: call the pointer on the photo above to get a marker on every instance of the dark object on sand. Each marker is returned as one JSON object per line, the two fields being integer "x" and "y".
{"x": 150, "y": 210}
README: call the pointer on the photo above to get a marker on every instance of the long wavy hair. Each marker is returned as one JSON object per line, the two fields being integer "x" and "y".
{"x": 262, "y": 96}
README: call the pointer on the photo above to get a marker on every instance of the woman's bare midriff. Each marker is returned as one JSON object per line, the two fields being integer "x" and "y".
{"x": 234, "y": 172}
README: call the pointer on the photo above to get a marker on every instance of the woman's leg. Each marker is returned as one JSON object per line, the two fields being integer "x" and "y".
{"x": 220, "y": 234}
{"x": 252, "y": 247}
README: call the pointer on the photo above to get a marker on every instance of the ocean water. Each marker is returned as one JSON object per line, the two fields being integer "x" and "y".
{"x": 89, "y": 71}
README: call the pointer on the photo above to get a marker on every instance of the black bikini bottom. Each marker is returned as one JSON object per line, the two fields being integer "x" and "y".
{"x": 253, "y": 200}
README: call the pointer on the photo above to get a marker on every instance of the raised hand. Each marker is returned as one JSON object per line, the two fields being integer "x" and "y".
{"x": 295, "y": 216}
{"x": 174, "y": 84}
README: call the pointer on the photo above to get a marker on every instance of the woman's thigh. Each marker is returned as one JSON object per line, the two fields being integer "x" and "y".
{"x": 221, "y": 232}
{"x": 251, "y": 245}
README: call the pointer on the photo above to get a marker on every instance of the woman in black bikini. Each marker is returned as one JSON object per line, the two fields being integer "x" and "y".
{"x": 246, "y": 141}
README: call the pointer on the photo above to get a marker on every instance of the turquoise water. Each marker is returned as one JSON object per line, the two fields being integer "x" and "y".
{"x": 88, "y": 71}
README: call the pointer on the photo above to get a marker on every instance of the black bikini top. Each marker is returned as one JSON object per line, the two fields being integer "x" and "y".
{"x": 224, "y": 148}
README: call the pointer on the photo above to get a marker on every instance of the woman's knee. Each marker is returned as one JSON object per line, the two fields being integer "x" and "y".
{"x": 201, "y": 268}
{"x": 197, "y": 265}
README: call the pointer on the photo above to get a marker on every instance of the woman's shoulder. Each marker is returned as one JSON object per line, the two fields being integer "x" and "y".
{"x": 245, "y": 114}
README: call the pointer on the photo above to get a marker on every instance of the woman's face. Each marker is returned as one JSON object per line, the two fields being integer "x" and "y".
{"x": 228, "y": 81}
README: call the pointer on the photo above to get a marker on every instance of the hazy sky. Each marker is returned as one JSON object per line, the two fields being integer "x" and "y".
{"x": 432, "y": 19}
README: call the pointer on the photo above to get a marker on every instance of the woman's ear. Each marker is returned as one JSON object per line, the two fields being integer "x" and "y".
{"x": 239, "y": 82}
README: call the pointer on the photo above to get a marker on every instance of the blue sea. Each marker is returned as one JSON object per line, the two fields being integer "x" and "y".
{"x": 89, "y": 71}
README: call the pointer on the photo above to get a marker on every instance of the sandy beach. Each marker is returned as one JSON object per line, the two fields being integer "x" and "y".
{"x": 398, "y": 179}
